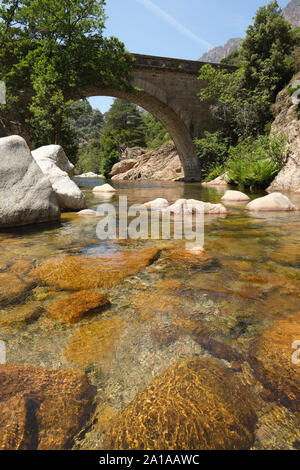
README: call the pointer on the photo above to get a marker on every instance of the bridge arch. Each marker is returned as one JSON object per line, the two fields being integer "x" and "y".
{"x": 168, "y": 89}
{"x": 171, "y": 121}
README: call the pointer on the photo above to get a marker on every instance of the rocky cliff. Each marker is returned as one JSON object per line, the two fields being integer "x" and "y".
{"x": 140, "y": 164}
{"x": 291, "y": 13}
{"x": 287, "y": 122}
{"x": 221, "y": 52}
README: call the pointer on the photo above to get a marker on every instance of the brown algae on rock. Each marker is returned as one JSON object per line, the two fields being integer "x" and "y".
{"x": 194, "y": 405}
{"x": 42, "y": 409}
{"x": 20, "y": 315}
{"x": 76, "y": 306}
{"x": 94, "y": 343}
{"x": 12, "y": 288}
{"x": 92, "y": 272}
{"x": 271, "y": 358}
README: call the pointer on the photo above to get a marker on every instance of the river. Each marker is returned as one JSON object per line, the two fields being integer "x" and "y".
{"x": 172, "y": 310}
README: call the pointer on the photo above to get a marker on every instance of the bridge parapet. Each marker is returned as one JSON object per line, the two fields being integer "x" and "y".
{"x": 175, "y": 65}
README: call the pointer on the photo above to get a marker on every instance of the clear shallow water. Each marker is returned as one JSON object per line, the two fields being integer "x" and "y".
{"x": 161, "y": 315}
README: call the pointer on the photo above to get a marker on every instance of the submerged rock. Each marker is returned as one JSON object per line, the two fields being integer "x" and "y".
{"x": 94, "y": 343}
{"x": 21, "y": 267}
{"x": 42, "y": 409}
{"x": 194, "y": 405}
{"x": 92, "y": 272}
{"x": 68, "y": 194}
{"x": 200, "y": 259}
{"x": 272, "y": 202}
{"x": 20, "y": 315}
{"x": 206, "y": 338}
{"x": 78, "y": 305}
{"x": 272, "y": 361}
{"x": 287, "y": 255}
{"x": 26, "y": 195}
{"x": 12, "y": 288}
{"x": 235, "y": 196}
{"x": 105, "y": 188}
{"x": 164, "y": 335}
{"x": 146, "y": 305}
{"x": 170, "y": 286}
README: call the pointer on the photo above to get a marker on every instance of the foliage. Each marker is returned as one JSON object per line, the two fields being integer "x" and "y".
{"x": 238, "y": 111}
{"x": 233, "y": 59}
{"x": 242, "y": 100}
{"x": 214, "y": 173}
{"x": 109, "y": 160}
{"x": 156, "y": 134}
{"x": 212, "y": 151}
{"x": 296, "y": 51}
{"x": 266, "y": 52}
{"x": 51, "y": 51}
{"x": 123, "y": 127}
{"x": 256, "y": 162}
{"x": 127, "y": 120}
{"x": 85, "y": 121}
{"x": 89, "y": 157}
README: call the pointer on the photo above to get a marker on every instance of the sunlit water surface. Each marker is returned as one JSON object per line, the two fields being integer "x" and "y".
{"x": 252, "y": 281}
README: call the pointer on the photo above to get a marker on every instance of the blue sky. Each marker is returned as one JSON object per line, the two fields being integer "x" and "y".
{"x": 176, "y": 28}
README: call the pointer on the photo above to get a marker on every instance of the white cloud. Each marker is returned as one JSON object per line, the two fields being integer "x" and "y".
{"x": 173, "y": 22}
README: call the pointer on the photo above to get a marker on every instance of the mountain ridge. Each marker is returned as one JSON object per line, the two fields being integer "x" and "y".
{"x": 291, "y": 13}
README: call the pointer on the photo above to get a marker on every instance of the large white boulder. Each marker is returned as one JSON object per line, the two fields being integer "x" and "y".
{"x": 26, "y": 195}
{"x": 157, "y": 204}
{"x": 192, "y": 206}
{"x": 68, "y": 194}
{"x": 105, "y": 188}
{"x": 90, "y": 174}
{"x": 176, "y": 207}
{"x": 272, "y": 202}
{"x": 235, "y": 196}
{"x": 57, "y": 155}
{"x": 87, "y": 213}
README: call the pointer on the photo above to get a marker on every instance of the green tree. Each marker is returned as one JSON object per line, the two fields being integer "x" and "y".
{"x": 212, "y": 151}
{"x": 85, "y": 121}
{"x": 156, "y": 134}
{"x": 124, "y": 126}
{"x": 243, "y": 99}
{"x": 127, "y": 120}
{"x": 296, "y": 51}
{"x": 266, "y": 51}
{"x": 89, "y": 157}
{"x": 237, "y": 111}
{"x": 52, "y": 51}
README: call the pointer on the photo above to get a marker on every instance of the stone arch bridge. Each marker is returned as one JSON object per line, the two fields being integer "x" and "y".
{"x": 168, "y": 88}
